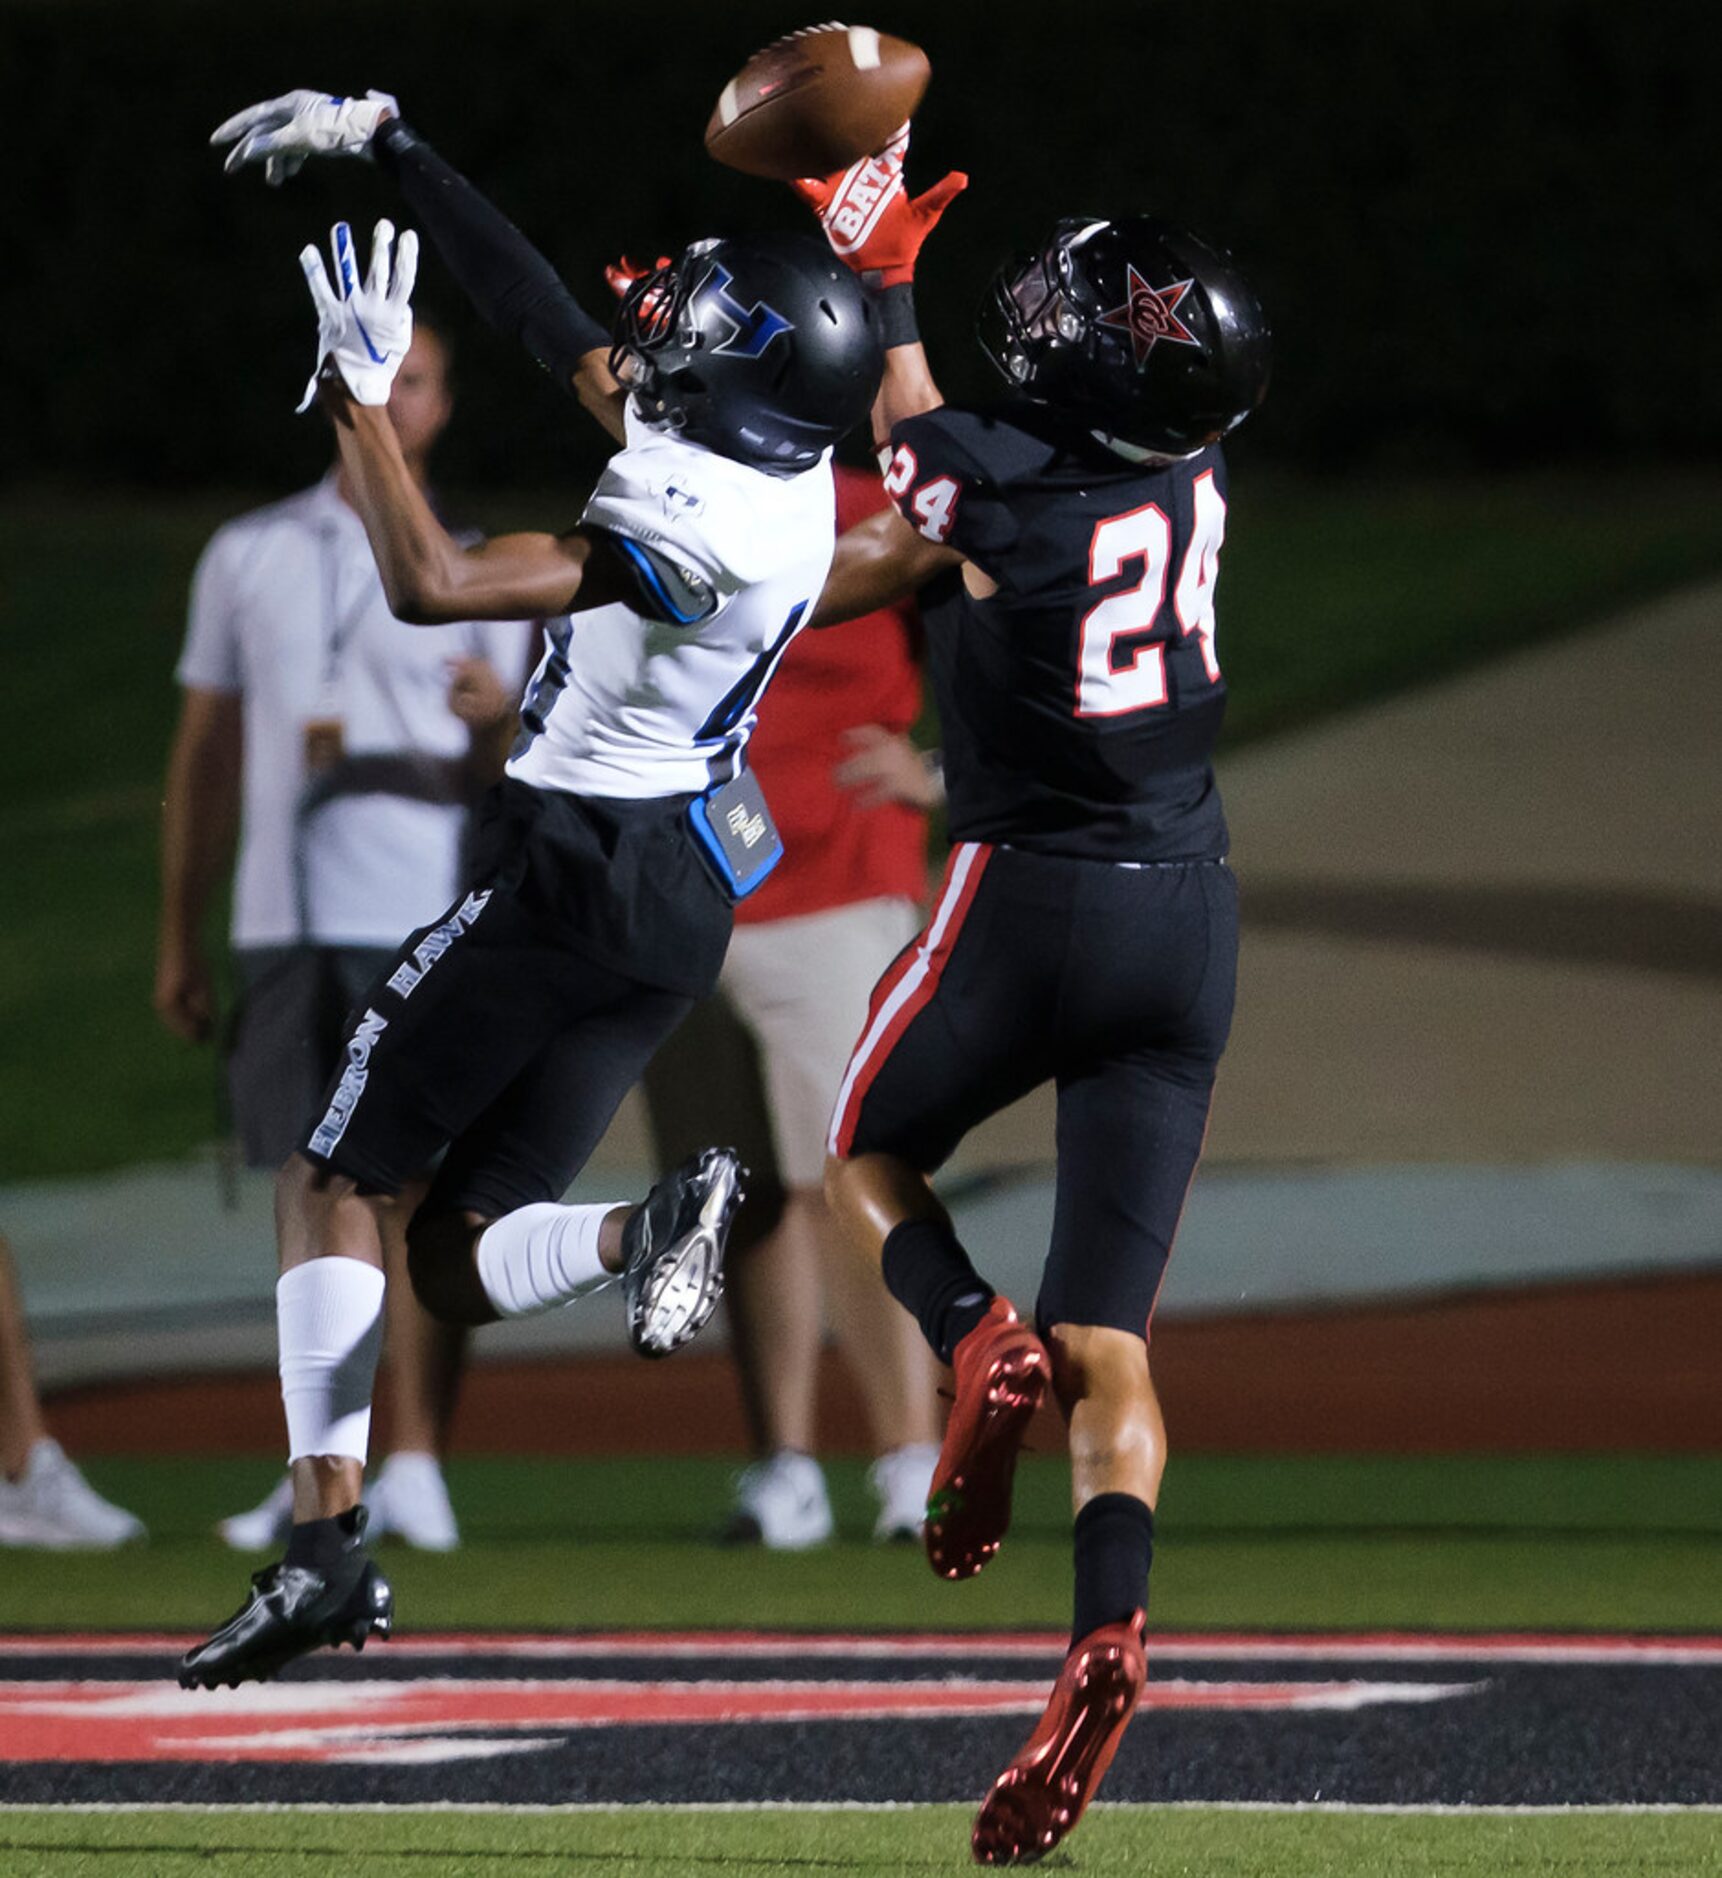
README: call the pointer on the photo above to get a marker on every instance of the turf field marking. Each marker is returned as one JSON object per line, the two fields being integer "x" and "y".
{"x": 1387, "y": 1646}
{"x": 552, "y": 1809}
{"x": 434, "y": 1719}
{"x": 582, "y": 1719}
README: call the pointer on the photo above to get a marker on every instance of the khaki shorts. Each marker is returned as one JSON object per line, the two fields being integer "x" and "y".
{"x": 757, "y": 1067}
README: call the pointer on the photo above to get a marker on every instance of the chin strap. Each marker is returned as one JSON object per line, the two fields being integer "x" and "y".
{"x": 1134, "y": 453}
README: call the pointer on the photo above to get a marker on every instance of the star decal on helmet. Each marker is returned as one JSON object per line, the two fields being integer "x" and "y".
{"x": 1150, "y": 314}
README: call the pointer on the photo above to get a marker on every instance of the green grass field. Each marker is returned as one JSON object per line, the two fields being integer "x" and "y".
{"x": 1142, "y": 1840}
{"x": 1541, "y": 1543}
{"x": 1333, "y": 593}
{"x": 1570, "y": 1542}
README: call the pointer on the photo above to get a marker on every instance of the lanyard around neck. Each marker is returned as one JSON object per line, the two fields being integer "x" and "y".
{"x": 337, "y": 625}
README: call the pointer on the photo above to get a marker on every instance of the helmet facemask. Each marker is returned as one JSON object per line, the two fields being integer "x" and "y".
{"x": 651, "y": 321}
{"x": 1029, "y": 311}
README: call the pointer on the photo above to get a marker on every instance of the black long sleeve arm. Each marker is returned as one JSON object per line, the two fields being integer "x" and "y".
{"x": 514, "y": 288}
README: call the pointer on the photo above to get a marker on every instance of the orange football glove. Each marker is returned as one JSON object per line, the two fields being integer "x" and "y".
{"x": 621, "y": 274}
{"x": 869, "y": 217}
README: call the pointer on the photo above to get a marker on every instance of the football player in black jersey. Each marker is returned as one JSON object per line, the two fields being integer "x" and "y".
{"x": 1065, "y": 545}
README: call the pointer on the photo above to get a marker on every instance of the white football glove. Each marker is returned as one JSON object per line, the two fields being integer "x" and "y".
{"x": 282, "y": 132}
{"x": 362, "y": 331}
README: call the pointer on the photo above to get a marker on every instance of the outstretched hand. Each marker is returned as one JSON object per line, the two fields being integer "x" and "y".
{"x": 477, "y": 696}
{"x": 620, "y": 274}
{"x": 281, "y": 133}
{"x": 870, "y": 219}
{"x": 885, "y": 766}
{"x": 363, "y": 331}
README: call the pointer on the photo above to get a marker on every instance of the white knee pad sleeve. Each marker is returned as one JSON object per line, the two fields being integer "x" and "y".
{"x": 329, "y": 1318}
{"x": 541, "y": 1255}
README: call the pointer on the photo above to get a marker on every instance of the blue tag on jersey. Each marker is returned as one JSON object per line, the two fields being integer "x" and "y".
{"x": 733, "y": 829}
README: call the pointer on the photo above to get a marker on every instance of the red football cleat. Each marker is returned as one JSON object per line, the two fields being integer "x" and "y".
{"x": 1042, "y": 1793}
{"x": 1002, "y": 1371}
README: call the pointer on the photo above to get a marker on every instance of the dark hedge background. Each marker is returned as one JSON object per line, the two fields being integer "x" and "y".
{"x": 1490, "y": 231}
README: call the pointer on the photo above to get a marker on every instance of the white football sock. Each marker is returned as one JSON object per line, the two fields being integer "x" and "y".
{"x": 329, "y": 1319}
{"x": 542, "y": 1255}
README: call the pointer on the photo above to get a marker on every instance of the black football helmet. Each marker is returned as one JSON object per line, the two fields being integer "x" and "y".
{"x": 763, "y": 349}
{"x": 1138, "y": 330}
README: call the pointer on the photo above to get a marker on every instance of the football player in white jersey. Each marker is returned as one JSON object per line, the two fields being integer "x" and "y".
{"x": 608, "y": 860}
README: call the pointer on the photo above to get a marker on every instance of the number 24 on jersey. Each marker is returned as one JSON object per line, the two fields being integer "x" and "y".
{"x": 1114, "y": 678}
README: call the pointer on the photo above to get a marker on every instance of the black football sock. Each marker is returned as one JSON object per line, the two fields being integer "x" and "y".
{"x": 1114, "y": 1548}
{"x": 929, "y": 1274}
{"x": 323, "y": 1545}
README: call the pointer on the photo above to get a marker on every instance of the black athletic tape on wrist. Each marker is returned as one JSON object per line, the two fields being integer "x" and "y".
{"x": 897, "y": 314}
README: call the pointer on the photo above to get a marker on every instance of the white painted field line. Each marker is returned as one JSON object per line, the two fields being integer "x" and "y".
{"x": 1434, "y": 1809}
{"x": 1385, "y": 1646}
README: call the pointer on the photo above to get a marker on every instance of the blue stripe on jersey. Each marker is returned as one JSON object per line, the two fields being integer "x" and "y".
{"x": 645, "y": 566}
{"x": 740, "y": 698}
{"x": 546, "y": 686}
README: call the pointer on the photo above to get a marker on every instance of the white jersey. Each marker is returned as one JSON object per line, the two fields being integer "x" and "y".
{"x": 627, "y": 706}
{"x": 288, "y": 611}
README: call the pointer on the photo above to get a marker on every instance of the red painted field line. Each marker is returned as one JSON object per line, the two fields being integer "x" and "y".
{"x": 1511, "y": 1646}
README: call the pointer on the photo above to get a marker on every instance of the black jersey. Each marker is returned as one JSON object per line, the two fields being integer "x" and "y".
{"x": 1079, "y": 703}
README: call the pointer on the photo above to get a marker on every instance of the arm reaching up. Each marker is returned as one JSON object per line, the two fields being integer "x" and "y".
{"x": 877, "y": 228}
{"x": 512, "y": 285}
{"x": 281, "y": 133}
{"x": 364, "y": 329}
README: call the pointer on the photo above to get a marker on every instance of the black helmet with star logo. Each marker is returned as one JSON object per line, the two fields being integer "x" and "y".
{"x": 1139, "y": 330}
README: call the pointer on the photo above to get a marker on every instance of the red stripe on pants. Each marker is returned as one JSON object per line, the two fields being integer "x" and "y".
{"x": 907, "y": 988}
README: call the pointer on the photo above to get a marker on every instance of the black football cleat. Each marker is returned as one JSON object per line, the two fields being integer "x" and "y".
{"x": 672, "y": 1251}
{"x": 293, "y": 1609}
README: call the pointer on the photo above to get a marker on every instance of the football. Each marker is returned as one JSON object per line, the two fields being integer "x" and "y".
{"x": 816, "y": 101}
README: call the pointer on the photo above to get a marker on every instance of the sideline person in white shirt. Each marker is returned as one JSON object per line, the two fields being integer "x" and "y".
{"x": 347, "y": 749}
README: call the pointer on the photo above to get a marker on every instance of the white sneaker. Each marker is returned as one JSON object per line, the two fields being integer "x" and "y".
{"x": 53, "y": 1506}
{"x": 265, "y": 1527}
{"x": 781, "y": 1504}
{"x": 902, "y": 1480}
{"x": 409, "y": 1498}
